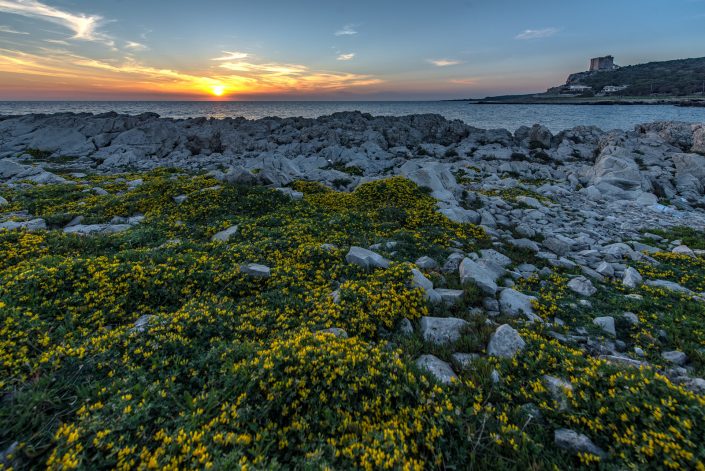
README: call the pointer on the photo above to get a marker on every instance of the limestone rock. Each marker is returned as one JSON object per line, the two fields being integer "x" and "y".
{"x": 438, "y": 368}
{"x": 366, "y": 259}
{"x": 582, "y": 286}
{"x": 632, "y": 279}
{"x": 505, "y": 342}
{"x": 606, "y": 323}
{"x": 225, "y": 235}
{"x": 441, "y": 330}
{"x": 256, "y": 270}
{"x": 576, "y": 442}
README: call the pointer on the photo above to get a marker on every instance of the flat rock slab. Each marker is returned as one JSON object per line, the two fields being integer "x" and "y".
{"x": 441, "y": 330}
{"x": 450, "y": 297}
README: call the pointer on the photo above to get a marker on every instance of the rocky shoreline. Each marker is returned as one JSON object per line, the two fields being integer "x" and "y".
{"x": 615, "y": 181}
{"x": 557, "y": 261}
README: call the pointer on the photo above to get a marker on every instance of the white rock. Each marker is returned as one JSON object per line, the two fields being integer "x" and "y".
{"x": 513, "y": 303}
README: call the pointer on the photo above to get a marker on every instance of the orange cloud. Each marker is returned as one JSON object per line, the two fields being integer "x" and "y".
{"x": 237, "y": 78}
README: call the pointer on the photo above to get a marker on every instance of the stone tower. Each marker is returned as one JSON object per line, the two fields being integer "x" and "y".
{"x": 602, "y": 63}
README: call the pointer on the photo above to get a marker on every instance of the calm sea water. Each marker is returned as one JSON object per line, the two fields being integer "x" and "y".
{"x": 555, "y": 117}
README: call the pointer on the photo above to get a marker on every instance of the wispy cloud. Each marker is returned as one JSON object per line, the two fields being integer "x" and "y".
{"x": 135, "y": 46}
{"x": 444, "y": 62}
{"x": 346, "y": 57}
{"x": 83, "y": 26}
{"x": 465, "y": 81}
{"x": 537, "y": 33}
{"x": 242, "y": 77}
{"x": 347, "y": 30}
{"x": 57, "y": 41}
{"x": 231, "y": 56}
{"x": 7, "y": 29}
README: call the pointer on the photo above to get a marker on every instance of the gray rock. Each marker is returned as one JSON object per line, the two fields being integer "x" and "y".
{"x": 31, "y": 225}
{"x": 631, "y": 318}
{"x": 576, "y": 442}
{"x": 426, "y": 263}
{"x": 505, "y": 342}
{"x": 291, "y": 193}
{"x": 366, "y": 259}
{"x": 605, "y": 269}
{"x": 495, "y": 257}
{"x": 3, "y": 201}
{"x": 481, "y": 275}
{"x": 337, "y": 331}
{"x": 582, "y": 286}
{"x": 683, "y": 250}
{"x": 513, "y": 303}
{"x": 632, "y": 279}
{"x": 676, "y": 357}
{"x": 557, "y": 387}
{"x": 606, "y": 323}
{"x": 464, "y": 360}
{"x": 525, "y": 244}
{"x": 442, "y": 330}
{"x": 669, "y": 286}
{"x": 180, "y": 199}
{"x": 405, "y": 328}
{"x": 450, "y": 296}
{"x": 225, "y": 235}
{"x": 142, "y": 323}
{"x": 438, "y": 368}
{"x": 255, "y": 270}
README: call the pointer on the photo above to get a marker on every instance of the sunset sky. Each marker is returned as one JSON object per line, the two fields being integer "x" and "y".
{"x": 325, "y": 50}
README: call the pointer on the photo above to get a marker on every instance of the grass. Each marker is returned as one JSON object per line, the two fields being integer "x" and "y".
{"x": 233, "y": 371}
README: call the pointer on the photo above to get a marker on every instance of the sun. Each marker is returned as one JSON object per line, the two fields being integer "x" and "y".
{"x": 218, "y": 90}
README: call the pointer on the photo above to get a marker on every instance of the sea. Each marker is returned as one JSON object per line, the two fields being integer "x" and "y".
{"x": 554, "y": 117}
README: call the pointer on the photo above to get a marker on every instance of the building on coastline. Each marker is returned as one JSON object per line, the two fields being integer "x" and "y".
{"x": 602, "y": 63}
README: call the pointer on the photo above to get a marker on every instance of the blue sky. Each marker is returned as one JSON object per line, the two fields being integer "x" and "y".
{"x": 129, "y": 49}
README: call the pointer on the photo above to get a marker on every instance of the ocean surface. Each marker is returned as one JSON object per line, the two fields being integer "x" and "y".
{"x": 555, "y": 117}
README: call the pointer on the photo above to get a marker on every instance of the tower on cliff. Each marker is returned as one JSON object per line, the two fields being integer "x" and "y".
{"x": 602, "y": 63}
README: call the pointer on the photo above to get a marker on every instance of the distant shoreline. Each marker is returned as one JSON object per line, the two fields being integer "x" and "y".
{"x": 534, "y": 100}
